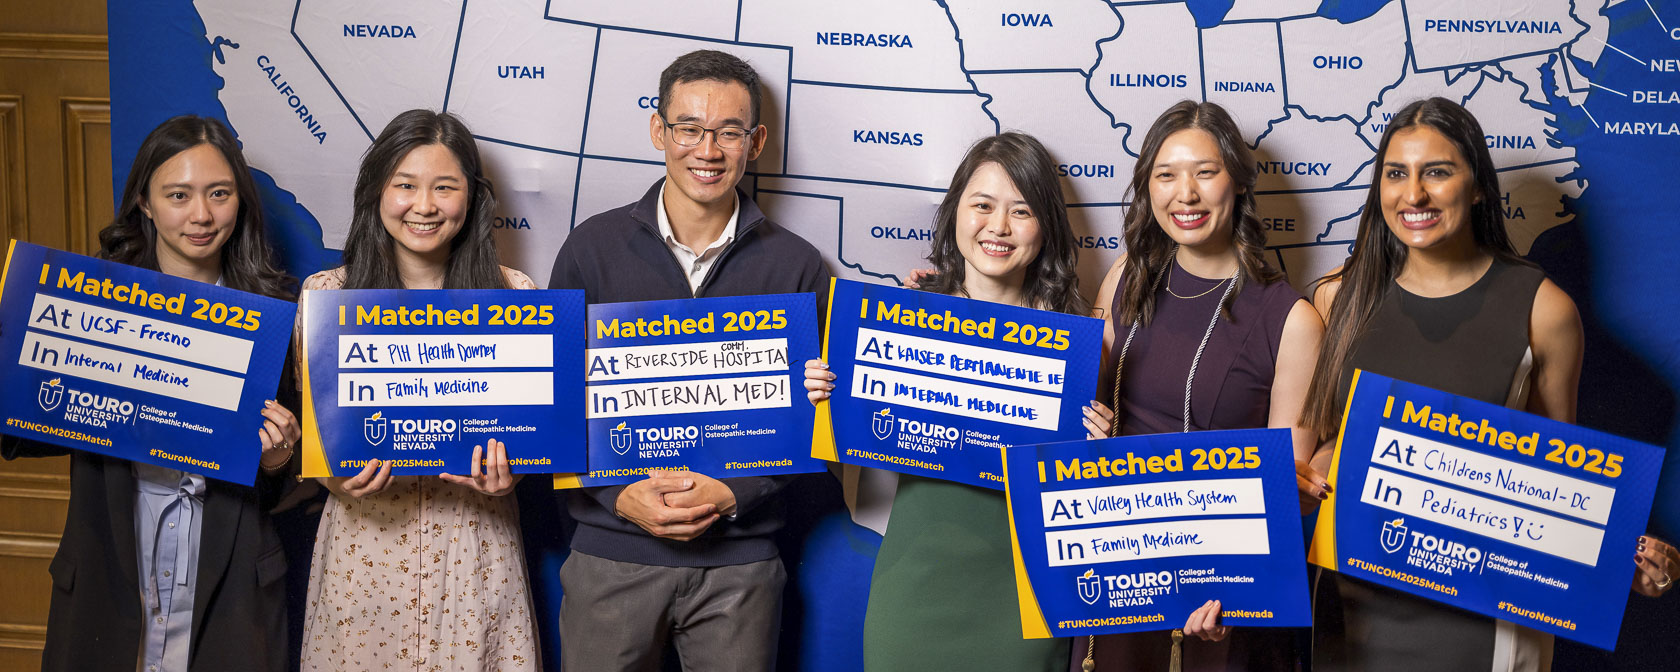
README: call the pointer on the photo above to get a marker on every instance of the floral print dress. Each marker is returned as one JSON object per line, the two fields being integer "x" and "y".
{"x": 426, "y": 575}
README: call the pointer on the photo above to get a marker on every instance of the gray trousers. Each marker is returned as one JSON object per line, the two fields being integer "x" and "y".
{"x": 619, "y": 615}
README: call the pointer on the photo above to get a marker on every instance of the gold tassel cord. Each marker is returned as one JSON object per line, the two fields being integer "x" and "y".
{"x": 1176, "y": 663}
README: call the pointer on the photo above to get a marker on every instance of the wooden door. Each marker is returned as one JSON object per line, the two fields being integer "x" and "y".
{"x": 55, "y": 190}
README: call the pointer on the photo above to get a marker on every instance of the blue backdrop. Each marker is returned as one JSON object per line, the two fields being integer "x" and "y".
{"x": 1615, "y": 258}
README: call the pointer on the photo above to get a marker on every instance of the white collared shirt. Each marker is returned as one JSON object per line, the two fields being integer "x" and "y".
{"x": 695, "y": 265}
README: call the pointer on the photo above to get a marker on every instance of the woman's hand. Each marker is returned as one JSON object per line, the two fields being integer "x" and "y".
{"x": 918, "y": 276}
{"x": 1098, "y": 420}
{"x": 279, "y": 435}
{"x": 1658, "y": 565}
{"x": 372, "y": 481}
{"x": 495, "y": 479}
{"x": 1204, "y": 623}
{"x": 819, "y": 381}
{"x": 1313, "y": 486}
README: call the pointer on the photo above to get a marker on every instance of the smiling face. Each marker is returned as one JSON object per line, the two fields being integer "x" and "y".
{"x": 1190, "y": 192}
{"x": 193, "y": 202}
{"x": 997, "y": 232}
{"x": 705, "y": 175}
{"x": 1427, "y": 189}
{"x": 424, "y": 204}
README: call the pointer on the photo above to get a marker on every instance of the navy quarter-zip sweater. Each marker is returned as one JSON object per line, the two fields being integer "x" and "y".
{"x": 619, "y": 256}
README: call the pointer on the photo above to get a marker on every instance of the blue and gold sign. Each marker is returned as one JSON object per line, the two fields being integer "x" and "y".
{"x": 136, "y": 364}
{"x": 711, "y": 385}
{"x": 1485, "y": 508}
{"x": 935, "y": 385}
{"x": 419, "y": 377}
{"x": 1132, "y": 534}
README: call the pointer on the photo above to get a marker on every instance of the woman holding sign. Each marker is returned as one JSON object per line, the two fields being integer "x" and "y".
{"x": 1435, "y": 294}
{"x": 1202, "y": 334}
{"x": 426, "y": 571}
{"x": 158, "y": 568}
{"x": 942, "y": 595}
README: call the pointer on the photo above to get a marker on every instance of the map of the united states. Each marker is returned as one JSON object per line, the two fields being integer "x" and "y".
{"x": 871, "y": 103}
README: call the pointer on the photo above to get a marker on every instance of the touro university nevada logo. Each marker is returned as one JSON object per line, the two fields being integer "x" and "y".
{"x": 883, "y": 424}
{"x": 51, "y": 394}
{"x": 373, "y": 428}
{"x": 1394, "y": 534}
{"x": 620, "y": 436}
{"x": 1090, "y": 586}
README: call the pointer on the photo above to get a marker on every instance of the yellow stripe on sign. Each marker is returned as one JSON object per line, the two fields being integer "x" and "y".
{"x": 1033, "y": 625}
{"x": 7, "y": 269}
{"x": 822, "y": 429}
{"x": 314, "y": 452}
{"x": 1322, "y": 552}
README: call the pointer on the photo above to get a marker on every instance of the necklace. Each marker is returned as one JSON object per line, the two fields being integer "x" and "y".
{"x": 1204, "y": 293}
{"x": 1090, "y": 662}
{"x": 1119, "y": 366}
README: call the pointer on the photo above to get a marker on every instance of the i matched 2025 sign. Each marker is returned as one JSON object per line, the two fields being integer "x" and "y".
{"x": 137, "y": 364}
{"x": 420, "y": 377}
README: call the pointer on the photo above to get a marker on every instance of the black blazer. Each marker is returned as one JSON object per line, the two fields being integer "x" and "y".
{"x": 239, "y": 604}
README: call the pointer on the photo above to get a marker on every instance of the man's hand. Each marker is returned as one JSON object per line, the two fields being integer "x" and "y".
{"x": 707, "y": 490}
{"x": 645, "y": 503}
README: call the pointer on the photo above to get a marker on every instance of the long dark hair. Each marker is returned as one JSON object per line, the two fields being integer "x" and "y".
{"x": 1149, "y": 250}
{"x": 1051, "y": 282}
{"x": 131, "y": 237}
{"x": 370, "y": 253}
{"x": 1378, "y": 256}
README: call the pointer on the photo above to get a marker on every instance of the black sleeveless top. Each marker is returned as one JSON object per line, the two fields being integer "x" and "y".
{"x": 1469, "y": 344}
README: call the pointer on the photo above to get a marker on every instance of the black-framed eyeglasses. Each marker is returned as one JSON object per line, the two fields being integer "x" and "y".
{"x": 689, "y": 135}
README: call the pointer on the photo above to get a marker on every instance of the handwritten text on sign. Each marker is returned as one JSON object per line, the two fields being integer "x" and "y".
{"x": 709, "y": 385}
{"x": 137, "y": 364}
{"x": 934, "y": 385}
{"x": 418, "y": 378}
{"x": 1485, "y": 508}
{"x": 1134, "y": 533}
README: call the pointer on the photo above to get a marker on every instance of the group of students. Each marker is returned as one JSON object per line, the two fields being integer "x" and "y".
{"x": 160, "y": 569}
{"x": 1202, "y": 334}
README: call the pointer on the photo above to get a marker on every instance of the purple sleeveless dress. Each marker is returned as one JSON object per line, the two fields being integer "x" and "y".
{"x": 1232, "y": 390}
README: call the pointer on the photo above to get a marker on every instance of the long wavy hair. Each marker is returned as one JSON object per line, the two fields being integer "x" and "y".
{"x": 131, "y": 237}
{"x": 1149, "y": 250}
{"x": 370, "y": 252}
{"x": 1051, "y": 282}
{"x": 1378, "y": 256}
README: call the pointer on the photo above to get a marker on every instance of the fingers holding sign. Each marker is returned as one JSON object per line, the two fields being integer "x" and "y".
{"x": 1313, "y": 486}
{"x": 372, "y": 480}
{"x": 819, "y": 381}
{"x": 1204, "y": 623}
{"x": 495, "y": 478}
{"x": 1658, "y": 565}
{"x": 1098, "y": 420}
{"x": 279, "y": 436}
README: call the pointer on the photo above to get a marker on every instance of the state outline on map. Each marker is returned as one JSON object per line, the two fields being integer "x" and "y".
{"x": 1559, "y": 60}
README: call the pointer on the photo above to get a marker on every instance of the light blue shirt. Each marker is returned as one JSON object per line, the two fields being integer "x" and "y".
{"x": 168, "y": 514}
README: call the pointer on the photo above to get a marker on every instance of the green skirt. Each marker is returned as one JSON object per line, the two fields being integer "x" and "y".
{"x": 943, "y": 593}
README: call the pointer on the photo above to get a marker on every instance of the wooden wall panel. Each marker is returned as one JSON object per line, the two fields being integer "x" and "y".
{"x": 55, "y": 190}
{"x": 87, "y": 171}
{"x": 14, "y": 197}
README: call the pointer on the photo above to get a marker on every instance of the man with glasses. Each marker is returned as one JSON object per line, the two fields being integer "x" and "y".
{"x": 682, "y": 557}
